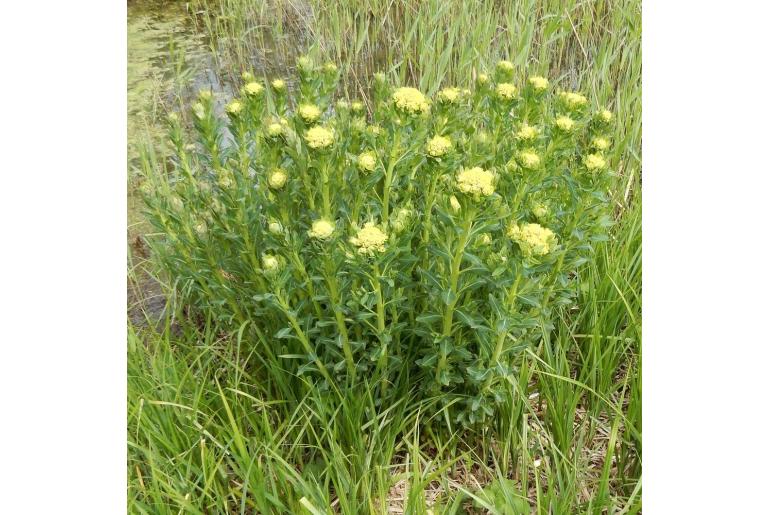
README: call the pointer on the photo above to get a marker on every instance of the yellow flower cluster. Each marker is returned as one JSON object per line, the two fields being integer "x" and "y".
{"x": 309, "y": 112}
{"x": 278, "y": 85}
{"x": 533, "y": 239}
{"x": 449, "y": 95}
{"x": 370, "y": 239}
{"x": 540, "y": 211}
{"x": 565, "y": 123}
{"x": 483, "y": 78}
{"x": 527, "y": 132}
{"x": 205, "y": 95}
{"x": 367, "y": 161}
{"x": 476, "y": 181}
{"x": 253, "y": 89}
{"x": 573, "y": 100}
{"x": 305, "y": 64}
{"x": 594, "y": 162}
{"x": 538, "y": 83}
{"x": 357, "y": 107}
{"x": 506, "y": 91}
{"x": 410, "y": 100}
{"x": 275, "y": 227}
{"x": 234, "y": 107}
{"x": 322, "y": 229}
{"x": 605, "y": 115}
{"x": 274, "y": 130}
{"x": 529, "y": 159}
{"x": 319, "y": 137}
{"x": 438, "y": 146}
{"x": 600, "y": 143}
{"x": 505, "y": 66}
{"x": 270, "y": 263}
{"x": 277, "y": 179}
{"x": 401, "y": 219}
{"x": 330, "y": 67}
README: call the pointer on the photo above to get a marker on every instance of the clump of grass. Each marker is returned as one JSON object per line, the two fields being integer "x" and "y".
{"x": 427, "y": 245}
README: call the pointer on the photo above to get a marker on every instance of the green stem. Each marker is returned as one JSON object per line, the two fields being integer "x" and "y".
{"x": 383, "y": 360}
{"x": 304, "y": 339}
{"x": 389, "y": 176}
{"x": 331, "y": 280}
{"x": 453, "y": 283}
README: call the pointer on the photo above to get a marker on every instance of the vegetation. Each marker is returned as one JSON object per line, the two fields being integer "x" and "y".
{"x": 353, "y": 367}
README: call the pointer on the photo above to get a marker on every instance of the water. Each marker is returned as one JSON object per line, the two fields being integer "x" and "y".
{"x": 168, "y": 59}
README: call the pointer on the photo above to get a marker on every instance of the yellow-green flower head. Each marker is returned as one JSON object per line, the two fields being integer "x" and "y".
{"x": 374, "y": 130}
{"x": 540, "y": 210}
{"x": 449, "y": 95}
{"x": 400, "y": 221}
{"x": 234, "y": 107}
{"x": 538, "y": 83}
{"x": 309, "y": 112}
{"x": 573, "y": 100}
{"x": 370, "y": 239}
{"x": 342, "y": 105}
{"x": 274, "y": 130}
{"x": 605, "y": 115}
{"x": 600, "y": 143}
{"x": 438, "y": 146}
{"x": 485, "y": 239}
{"x": 533, "y": 239}
{"x": 278, "y": 85}
{"x": 367, "y": 161}
{"x": 277, "y": 179}
{"x": 506, "y": 91}
{"x": 322, "y": 229}
{"x": 319, "y": 137}
{"x": 205, "y": 94}
{"x": 173, "y": 117}
{"x": 565, "y": 123}
{"x": 505, "y": 66}
{"x": 410, "y": 101}
{"x": 305, "y": 64}
{"x": 247, "y": 76}
{"x": 330, "y": 67}
{"x": 199, "y": 110}
{"x": 380, "y": 77}
{"x": 454, "y": 204}
{"x": 476, "y": 181}
{"x": 201, "y": 228}
{"x": 527, "y": 133}
{"x": 275, "y": 227}
{"x": 358, "y": 124}
{"x": 529, "y": 159}
{"x": 357, "y": 106}
{"x": 253, "y": 89}
{"x": 270, "y": 263}
{"x": 225, "y": 179}
{"x": 483, "y": 78}
{"x": 594, "y": 162}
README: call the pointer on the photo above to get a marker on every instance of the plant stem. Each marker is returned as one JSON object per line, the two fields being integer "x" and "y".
{"x": 331, "y": 280}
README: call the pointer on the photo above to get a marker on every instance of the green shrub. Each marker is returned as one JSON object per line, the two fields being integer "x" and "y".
{"x": 426, "y": 247}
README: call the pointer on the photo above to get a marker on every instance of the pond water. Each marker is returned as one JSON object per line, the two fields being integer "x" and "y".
{"x": 170, "y": 58}
{"x": 167, "y": 58}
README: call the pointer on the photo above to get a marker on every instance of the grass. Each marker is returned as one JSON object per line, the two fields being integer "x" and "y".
{"x": 203, "y": 434}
